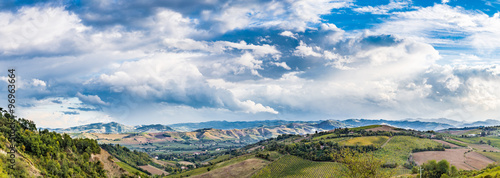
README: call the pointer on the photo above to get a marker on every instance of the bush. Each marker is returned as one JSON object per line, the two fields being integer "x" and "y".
{"x": 390, "y": 165}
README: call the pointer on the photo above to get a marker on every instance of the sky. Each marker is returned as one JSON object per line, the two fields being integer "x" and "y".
{"x": 148, "y": 62}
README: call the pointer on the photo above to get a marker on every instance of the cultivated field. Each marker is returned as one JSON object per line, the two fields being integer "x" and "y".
{"x": 460, "y": 158}
{"x": 446, "y": 143}
{"x": 492, "y": 155}
{"x": 154, "y": 170}
{"x": 383, "y": 128}
{"x": 201, "y": 170}
{"x": 495, "y": 141}
{"x": 482, "y": 147}
{"x": 398, "y": 149}
{"x": 365, "y": 141}
{"x": 292, "y": 166}
{"x": 242, "y": 169}
{"x": 463, "y": 132}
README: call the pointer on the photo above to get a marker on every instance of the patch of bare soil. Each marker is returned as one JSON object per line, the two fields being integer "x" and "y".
{"x": 460, "y": 158}
{"x": 477, "y": 160}
{"x": 113, "y": 170}
{"x": 163, "y": 162}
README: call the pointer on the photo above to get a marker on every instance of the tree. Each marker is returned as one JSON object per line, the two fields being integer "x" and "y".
{"x": 453, "y": 171}
{"x": 443, "y": 167}
{"x": 433, "y": 169}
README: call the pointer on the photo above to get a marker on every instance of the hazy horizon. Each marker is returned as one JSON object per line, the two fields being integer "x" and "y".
{"x": 82, "y": 62}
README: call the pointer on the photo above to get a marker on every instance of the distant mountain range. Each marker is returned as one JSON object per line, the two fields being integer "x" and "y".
{"x": 416, "y": 124}
{"x": 225, "y": 125}
{"x": 460, "y": 124}
{"x": 113, "y": 127}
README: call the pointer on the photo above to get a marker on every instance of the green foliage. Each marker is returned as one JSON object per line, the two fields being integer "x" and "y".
{"x": 129, "y": 168}
{"x": 362, "y": 165}
{"x": 55, "y": 155}
{"x": 492, "y": 170}
{"x": 433, "y": 169}
{"x": 134, "y": 158}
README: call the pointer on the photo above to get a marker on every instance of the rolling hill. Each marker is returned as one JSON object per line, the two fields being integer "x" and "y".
{"x": 114, "y": 127}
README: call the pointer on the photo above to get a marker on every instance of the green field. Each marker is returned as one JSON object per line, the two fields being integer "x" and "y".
{"x": 292, "y": 166}
{"x": 495, "y": 141}
{"x": 365, "y": 141}
{"x": 399, "y": 148}
{"x": 456, "y": 143}
{"x": 128, "y": 168}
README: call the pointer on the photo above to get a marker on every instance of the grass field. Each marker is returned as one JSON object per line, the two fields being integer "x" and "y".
{"x": 399, "y": 148}
{"x": 128, "y": 168}
{"x": 365, "y": 141}
{"x": 292, "y": 166}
